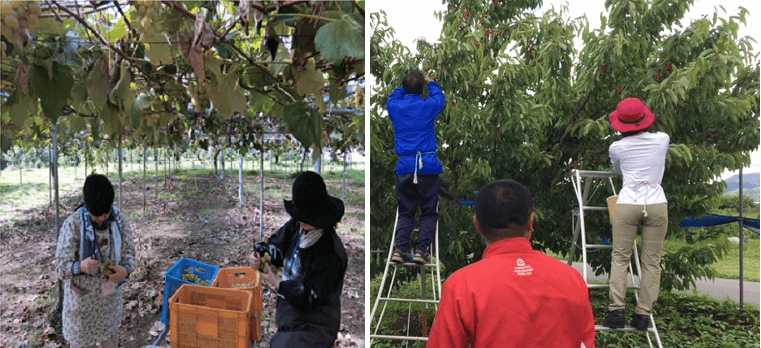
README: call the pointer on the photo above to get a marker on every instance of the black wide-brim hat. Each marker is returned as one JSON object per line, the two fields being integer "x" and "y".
{"x": 311, "y": 203}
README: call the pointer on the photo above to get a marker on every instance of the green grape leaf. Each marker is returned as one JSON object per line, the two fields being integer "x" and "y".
{"x": 119, "y": 31}
{"x": 304, "y": 123}
{"x": 309, "y": 80}
{"x": 138, "y": 105}
{"x": 337, "y": 91}
{"x": 19, "y": 106}
{"x": 119, "y": 95}
{"x": 282, "y": 56}
{"x": 97, "y": 84}
{"x": 260, "y": 103}
{"x": 342, "y": 38}
{"x": 76, "y": 123}
{"x": 79, "y": 94}
{"x": 112, "y": 123}
{"x": 5, "y": 141}
{"x": 158, "y": 51}
{"x": 227, "y": 96}
{"x": 53, "y": 92}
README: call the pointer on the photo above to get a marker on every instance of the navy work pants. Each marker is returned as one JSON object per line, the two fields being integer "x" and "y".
{"x": 410, "y": 196}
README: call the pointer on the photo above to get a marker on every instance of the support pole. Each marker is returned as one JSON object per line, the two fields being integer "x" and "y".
{"x": 240, "y": 182}
{"x": 59, "y": 304}
{"x": 261, "y": 194}
{"x": 20, "y": 180}
{"x": 343, "y": 191}
{"x": 222, "y": 164}
{"x": 144, "y": 156}
{"x": 232, "y": 178}
{"x": 156, "y": 170}
{"x": 742, "y": 256}
{"x": 120, "y": 173}
{"x": 50, "y": 174}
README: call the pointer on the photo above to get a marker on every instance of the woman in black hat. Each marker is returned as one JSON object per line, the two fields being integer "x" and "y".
{"x": 314, "y": 262}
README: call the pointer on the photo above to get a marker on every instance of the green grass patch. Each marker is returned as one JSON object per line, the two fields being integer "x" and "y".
{"x": 728, "y": 267}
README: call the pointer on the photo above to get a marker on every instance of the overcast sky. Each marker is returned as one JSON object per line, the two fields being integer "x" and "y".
{"x": 414, "y": 19}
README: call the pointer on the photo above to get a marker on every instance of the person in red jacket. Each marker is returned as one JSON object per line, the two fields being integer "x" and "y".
{"x": 515, "y": 296}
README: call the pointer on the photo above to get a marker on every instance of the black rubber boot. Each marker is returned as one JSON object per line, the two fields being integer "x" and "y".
{"x": 616, "y": 319}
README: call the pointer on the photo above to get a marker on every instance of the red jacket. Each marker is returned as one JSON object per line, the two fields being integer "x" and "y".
{"x": 514, "y": 297}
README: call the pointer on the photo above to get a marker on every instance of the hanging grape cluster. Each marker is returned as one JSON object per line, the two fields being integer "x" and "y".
{"x": 200, "y": 92}
{"x": 18, "y": 16}
{"x": 147, "y": 13}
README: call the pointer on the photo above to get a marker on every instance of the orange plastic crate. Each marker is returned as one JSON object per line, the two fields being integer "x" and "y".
{"x": 206, "y": 317}
{"x": 245, "y": 278}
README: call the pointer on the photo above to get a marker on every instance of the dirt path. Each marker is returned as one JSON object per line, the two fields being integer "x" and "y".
{"x": 193, "y": 217}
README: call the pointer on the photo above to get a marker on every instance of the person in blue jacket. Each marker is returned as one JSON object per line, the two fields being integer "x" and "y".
{"x": 418, "y": 168}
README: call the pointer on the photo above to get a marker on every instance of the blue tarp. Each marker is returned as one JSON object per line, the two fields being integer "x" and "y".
{"x": 716, "y": 220}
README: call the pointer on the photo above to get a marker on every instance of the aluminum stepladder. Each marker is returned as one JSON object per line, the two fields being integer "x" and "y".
{"x": 578, "y": 225}
{"x": 435, "y": 271}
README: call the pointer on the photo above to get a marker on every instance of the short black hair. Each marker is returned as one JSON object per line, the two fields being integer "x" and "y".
{"x": 628, "y": 134}
{"x": 500, "y": 207}
{"x": 98, "y": 194}
{"x": 414, "y": 83}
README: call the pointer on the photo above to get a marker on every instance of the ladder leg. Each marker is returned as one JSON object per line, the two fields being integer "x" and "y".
{"x": 385, "y": 304}
{"x": 385, "y": 271}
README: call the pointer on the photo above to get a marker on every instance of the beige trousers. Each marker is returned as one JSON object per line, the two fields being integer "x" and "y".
{"x": 626, "y": 222}
{"x": 112, "y": 342}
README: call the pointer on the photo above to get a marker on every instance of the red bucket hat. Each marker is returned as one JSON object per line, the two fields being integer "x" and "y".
{"x": 631, "y": 115}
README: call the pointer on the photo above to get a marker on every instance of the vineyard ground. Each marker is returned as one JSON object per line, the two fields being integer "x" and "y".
{"x": 188, "y": 215}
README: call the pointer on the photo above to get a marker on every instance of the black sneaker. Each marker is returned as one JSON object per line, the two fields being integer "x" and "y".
{"x": 641, "y": 322}
{"x": 421, "y": 257}
{"x": 616, "y": 319}
{"x": 400, "y": 256}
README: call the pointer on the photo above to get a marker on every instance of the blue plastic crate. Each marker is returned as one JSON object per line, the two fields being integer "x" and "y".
{"x": 173, "y": 280}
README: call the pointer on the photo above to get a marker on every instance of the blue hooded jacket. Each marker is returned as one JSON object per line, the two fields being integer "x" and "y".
{"x": 413, "y": 117}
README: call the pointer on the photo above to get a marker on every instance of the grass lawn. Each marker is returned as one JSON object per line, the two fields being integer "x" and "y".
{"x": 728, "y": 267}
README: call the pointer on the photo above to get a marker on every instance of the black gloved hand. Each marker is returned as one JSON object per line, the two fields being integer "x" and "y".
{"x": 262, "y": 248}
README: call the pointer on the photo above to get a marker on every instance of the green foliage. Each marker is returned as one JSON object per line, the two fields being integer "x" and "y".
{"x": 686, "y": 320}
{"x": 94, "y": 68}
{"x": 524, "y": 103}
{"x": 689, "y": 263}
{"x": 342, "y": 38}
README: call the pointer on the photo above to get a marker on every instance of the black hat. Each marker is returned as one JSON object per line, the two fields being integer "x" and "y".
{"x": 311, "y": 203}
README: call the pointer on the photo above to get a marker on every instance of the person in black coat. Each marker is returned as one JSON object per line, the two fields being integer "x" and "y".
{"x": 314, "y": 263}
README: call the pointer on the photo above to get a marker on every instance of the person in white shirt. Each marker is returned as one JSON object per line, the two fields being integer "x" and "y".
{"x": 640, "y": 156}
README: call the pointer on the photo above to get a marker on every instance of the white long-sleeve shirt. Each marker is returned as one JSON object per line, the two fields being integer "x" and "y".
{"x": 641, "y": 159}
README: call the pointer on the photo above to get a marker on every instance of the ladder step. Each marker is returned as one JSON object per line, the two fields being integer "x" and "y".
{"x": 606, "y": 286}
{"x": 414, "y": 264}
{"x": 413, "y": 300}
{"x": 599, "y": 246}
{"x": 596, "y": 174}
{"x": 589, "y": 207}
{"x": 406, "y": 338}
{"x": 626, "y": 328}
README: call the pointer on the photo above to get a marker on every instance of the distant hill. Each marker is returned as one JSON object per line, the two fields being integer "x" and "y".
{"x": 751, "y": 184}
